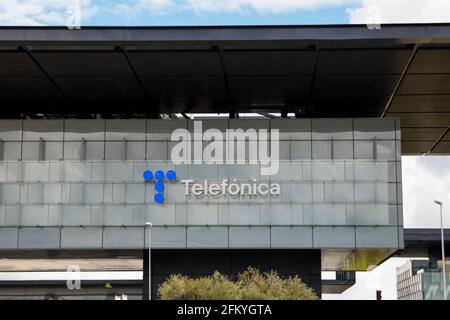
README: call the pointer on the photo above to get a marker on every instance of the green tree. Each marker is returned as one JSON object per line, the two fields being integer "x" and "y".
{"x": 251, "y": 284}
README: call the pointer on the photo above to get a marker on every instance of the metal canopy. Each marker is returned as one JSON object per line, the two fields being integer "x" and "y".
{"x": 315, "y": 71}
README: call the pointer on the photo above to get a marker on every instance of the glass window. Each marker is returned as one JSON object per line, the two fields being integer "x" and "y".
{"x": 284, "y": 151}
{"x": 119, "y": 171}
{"x": 10, "y": 193}
{"x": 135, "y": 150}
{"x": 365, "y": 192}
{"x": 328, "y": 170}
{"x": 36, "y": 171}
{"x": 364, "y": 149}
{"x": 56, "y": 171}
{"x": 300, "y": 192}
{"x": 329, "y": 214}
{"x": 76, "y": 193}
{"x": 281, "y": 214}
{"x": 76, "y": 130}
{"x": 300, "y": 150}
{"x": 115, "y": 150}
{"x": 162, "y": 129}
{"x": 53, "y": 150}
{"x": 34, "y": 130}
{"x": 327, "y": 129}
{"x": 339, "y": 192}
{"x": 292, "y": 128}
{"x": 376, "y": 237}
{"x": 371, "y": 171}
{"x": 288, "y": 170}
{"x": 76, "y": 215}
{"x": 342, "y": 149}
{"x": 321, "y": 149}
{"x": 77, "y": 171}
{"x": 131, "y": 129}
{"x": 118, "y": 215}
{"x": 239, "y": 214}
{"x": 93, "y": 193}
{"x": 30, "y": 150}
{"x": 386, "y": 149}
{"x": 118, "y": 193}
{"x": 12, "y": 150}
{"x": 318, "y": 191}
{"x": 203, "y": 214}
{"x": 157, "y": 150}
{"x": 374, "y": 128}
{"x": 11, "y": 130}
{"x": 134, "y": 192}
{"x": 95, "y": 150}
{"x": 51, "y": 192}
{"x": 371, "y": 214}
{"x": 3, "y": 171}
{"x": 12, "y": 215}
{"x": 34, "y": 215}
{"x": 73, "y": 150}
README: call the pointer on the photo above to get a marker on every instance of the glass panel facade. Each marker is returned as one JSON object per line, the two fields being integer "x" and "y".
{"x": 340, "y": 183}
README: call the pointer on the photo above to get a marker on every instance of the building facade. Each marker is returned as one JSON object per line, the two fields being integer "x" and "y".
{"x": 420, "y": 280}
{"x": 93, "y": 184}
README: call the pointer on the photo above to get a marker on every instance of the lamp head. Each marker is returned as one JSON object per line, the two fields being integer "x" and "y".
{"x": 148, "y": 224}
{"x": 438, "y": 202}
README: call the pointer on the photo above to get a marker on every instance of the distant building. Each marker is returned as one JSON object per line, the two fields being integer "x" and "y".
{"x": 420, "y": 280}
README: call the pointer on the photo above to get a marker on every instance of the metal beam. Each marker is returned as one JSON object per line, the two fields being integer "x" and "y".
{"x": 407, "y": 33}
{"x": 400, "y": 80}
{"x": 268, "y": 115}
{"x": 226, "y": 80}
{"x": 136, "y": 76}
{"x": 27, "y": 50}
{"x": 438, "y": 140}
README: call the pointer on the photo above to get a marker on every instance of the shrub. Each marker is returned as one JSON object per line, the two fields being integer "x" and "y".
{"x": 252, "y": 284}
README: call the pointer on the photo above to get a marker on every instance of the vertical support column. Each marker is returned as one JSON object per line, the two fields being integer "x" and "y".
{"x": 146, "y": 276}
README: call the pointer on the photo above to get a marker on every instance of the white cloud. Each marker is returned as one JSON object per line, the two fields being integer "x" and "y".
{"x": 133, "y": 10}
{"x": 400, "y": 11}
{"x": 42, "y": 12}
{"x": 229, "y": 6}
{"x": 425, "y": 179}
{"x": 261, "y": 6}
{"x": 54, "y": 12}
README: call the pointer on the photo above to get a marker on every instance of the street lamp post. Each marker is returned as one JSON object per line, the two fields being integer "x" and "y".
{"x": 444, "y": 282}
{"x": 147, "y": 229}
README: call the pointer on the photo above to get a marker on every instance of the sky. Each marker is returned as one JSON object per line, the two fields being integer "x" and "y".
{"x": 223, "y": 12}
{"x": 425, "y": 178}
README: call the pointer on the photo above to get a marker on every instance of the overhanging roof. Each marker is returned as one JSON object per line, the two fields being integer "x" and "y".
{"x": 316, "y": 71}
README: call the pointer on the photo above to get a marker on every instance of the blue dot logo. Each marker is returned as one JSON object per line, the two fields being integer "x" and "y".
{"x": 148, "y": 175}
{"x": 159, "y": 198}
{"x": 171, "y": 175}
{"x": 159, "y": 183}
{"x": 159, "y": 175}
{"x": 159, "y": 186}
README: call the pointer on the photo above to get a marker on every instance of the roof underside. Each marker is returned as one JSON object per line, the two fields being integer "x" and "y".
{"x": 315, "y": 71}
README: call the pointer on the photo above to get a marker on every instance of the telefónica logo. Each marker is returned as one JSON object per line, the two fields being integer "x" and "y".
{"x": 159, "y": 179}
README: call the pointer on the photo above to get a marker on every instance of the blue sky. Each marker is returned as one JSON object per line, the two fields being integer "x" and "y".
{"x": 324, "y": 15}
{"x": 223, "y": 12}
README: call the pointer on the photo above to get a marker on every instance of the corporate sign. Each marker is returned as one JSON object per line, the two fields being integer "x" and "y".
{"x": 232, "y": 188}
{"x": 227, "y": 147}
{"x": 206, "y": 188}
